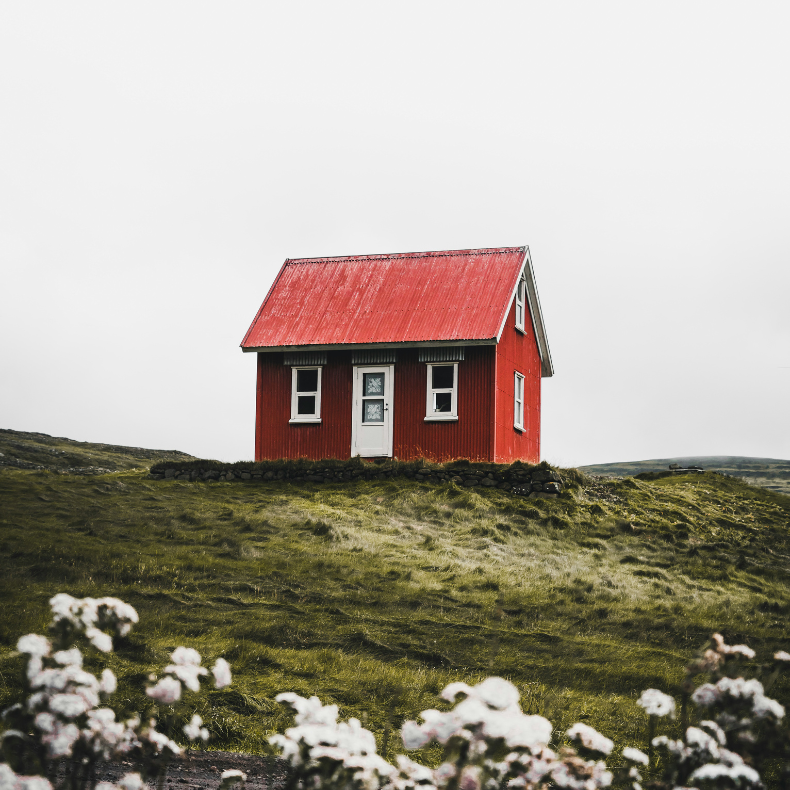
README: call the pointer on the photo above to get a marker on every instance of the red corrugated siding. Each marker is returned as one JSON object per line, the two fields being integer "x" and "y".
{"x": 276, "y": 438}
{"x": 471, "y": 436}
{"x": 517, "y": 352}
{"x": 453, "y": 295}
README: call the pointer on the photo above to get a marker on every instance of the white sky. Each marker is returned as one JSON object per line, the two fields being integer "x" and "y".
{"x": 159, "y": 161}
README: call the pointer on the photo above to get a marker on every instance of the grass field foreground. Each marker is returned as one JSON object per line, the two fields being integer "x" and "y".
{"x": 376, "y": 595}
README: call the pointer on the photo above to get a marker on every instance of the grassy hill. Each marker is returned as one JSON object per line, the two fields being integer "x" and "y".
{"x": 374, "y": 595}
{"x": 770, "y": 473}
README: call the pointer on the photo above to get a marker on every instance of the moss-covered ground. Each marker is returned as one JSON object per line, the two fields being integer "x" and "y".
{"x": 374, "y": 595}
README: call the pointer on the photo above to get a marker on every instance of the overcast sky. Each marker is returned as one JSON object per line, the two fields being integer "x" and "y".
{"x": 159, "y": 161}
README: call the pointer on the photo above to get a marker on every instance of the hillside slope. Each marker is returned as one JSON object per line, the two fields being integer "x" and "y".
{"x": 772, "y": 473}
{"x": 375, "y": 595}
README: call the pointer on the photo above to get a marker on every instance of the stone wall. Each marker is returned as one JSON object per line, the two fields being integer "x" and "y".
{"x": 517, "y": 478}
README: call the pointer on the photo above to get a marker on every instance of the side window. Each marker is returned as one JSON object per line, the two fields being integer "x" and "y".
{"x": 442, "y": 392}
{"x": 305, "y": 394}
{"x": 518, "y": 402}
{"x": 521, "y": 301}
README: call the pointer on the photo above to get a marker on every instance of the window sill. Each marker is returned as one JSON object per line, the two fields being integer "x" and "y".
{"x": 521, "y": 330}
{"x": 436, "y": 418}
{"x": 306, "y": 421}
{"x": 519, "y": 428}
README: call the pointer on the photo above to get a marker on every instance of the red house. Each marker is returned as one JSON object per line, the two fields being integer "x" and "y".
{"x": 429, "y": 354}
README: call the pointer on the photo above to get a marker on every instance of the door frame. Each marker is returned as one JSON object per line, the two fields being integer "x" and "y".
{"x": 389, "y": 397}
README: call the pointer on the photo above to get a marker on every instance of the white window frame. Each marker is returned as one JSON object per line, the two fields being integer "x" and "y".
{"x": 302, "y": 418}
{"x": 441, "y": 416}
{"x": 521, "y": 303}
{"x": 518, "y": 401}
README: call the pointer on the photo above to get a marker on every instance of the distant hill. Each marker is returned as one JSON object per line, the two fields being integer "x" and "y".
{"x": 772, "y": 473}
{"x": 28, "y": 450}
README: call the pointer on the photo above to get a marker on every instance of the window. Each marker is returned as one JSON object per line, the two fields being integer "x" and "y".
{"x": 518, "y": 402}
{"x": 305, "y": 394}
{"x": 442, "y": 392}
{"x": 521, "y": 301}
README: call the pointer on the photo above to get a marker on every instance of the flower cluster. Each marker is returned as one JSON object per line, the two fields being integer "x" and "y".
{"x": 62, "y": 718}
{"x": 327, "y": 752}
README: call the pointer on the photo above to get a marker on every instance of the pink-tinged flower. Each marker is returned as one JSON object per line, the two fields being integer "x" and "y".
{"x": 221, "y": 672}
{"x": 413, "y": 736}
{"x": 167, "y": 691}
{"x": 61, "y": 739}
{"x": 635, "y": 755}
{"x": 470, "y": 778}
{"x": 445, "y": 772}
{"x": 160, "y": 741}
{"x": 131, "y": 781}
{"x": 186, "y": 656}
{"x": 108, "y": 683}
{"x": 68, "y": 705}
{"x": 706, "y": 695}
{"x": 590, "y": 738}
{"x": 656, "y": 703}
{"x": 34, "y": 666}
{"x": 34, "y": 645}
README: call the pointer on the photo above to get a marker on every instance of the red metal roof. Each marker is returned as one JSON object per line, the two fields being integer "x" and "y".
{"x": 405, "y": 298}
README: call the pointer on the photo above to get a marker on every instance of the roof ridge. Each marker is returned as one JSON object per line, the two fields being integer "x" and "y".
{"x": 426, "y": 254}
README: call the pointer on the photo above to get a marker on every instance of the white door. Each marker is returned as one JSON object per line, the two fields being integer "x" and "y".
{"x": 371, "y": 422}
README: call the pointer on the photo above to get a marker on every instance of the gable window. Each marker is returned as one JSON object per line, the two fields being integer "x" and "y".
{"x": 306, "y": 394}
{"x": 518, "y": 402}
{"x": 521, "y": 302}
{"x": 442, "y": 392}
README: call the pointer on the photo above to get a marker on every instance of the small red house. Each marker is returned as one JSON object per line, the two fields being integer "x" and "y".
{"x": 429, "y": 354}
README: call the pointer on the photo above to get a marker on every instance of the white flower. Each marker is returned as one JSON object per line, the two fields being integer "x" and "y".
{"x": 186, "y": 656}
{"x": 188, "y": 674}
{"x": 105, "y": 786}
{"x": 232, "y": 778}
{"x": 590, "y": 738}
{"x": 8, "y": 778}
{"x": 656, "y": 703}
{"x": 413, "y": 735}
{"x": 68, "y": 705}
{"x": 99, "y": 639}
{"x": 726, "y": 649}
{"x": 34, "y": 645}
{"x": 71, "y": 657}
{"x": 635, "y": 755}
{"x": 34, "y": 783}
{"x": 34, "y": 666}
{"x": 221, "y": 672}
{"x": 195, "y": 729}
{"x": 167, "y": 691}
{"x": 714, "y": 730}
{"x": 706, "y": 695}
{"x": 715, "y": 771}
{"x": 108, "y": 683}
{"x": 132, "y": 781}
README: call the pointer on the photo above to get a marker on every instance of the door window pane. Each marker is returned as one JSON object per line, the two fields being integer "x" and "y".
{"x": 373, "y": 410}
{"x": 374, "y": 384}
{"x": 307, "y": 381}
{"x": 443, "y": 377}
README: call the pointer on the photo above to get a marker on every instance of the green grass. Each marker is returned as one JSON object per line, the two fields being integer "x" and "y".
{"x": 375, "y": 595}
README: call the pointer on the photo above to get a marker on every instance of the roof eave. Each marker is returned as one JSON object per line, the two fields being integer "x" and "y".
{"x": 492, "y": 341}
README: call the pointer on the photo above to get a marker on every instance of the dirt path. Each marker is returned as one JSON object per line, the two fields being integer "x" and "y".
{"x": 202, "y": 771}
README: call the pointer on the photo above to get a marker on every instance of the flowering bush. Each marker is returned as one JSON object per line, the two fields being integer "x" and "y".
{"x": 487, "y": 742}
{"x": 62, "y": 718}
